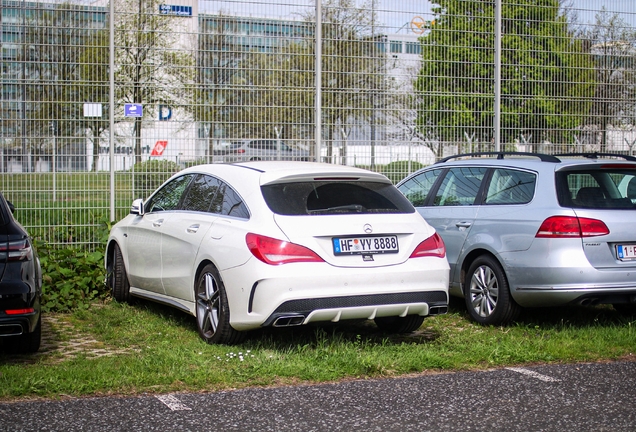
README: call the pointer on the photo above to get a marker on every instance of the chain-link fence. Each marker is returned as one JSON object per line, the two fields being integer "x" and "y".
{"x": 92, "y": 118}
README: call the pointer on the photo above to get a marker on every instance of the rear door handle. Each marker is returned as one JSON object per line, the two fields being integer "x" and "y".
{"x": 193, "y": 228}
{"x": 463, "y": 224}
{"x": 157, "y": 223}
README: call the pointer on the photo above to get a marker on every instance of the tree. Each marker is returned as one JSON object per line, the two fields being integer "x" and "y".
{"x": 280, "y": 84}
{"x": 612, "y": 42}
{"x": 52, "y": 57}
{"x": 151, "y": 70}
{"x": 94, "y": 88}
{"x": 217, "y": 73}
{"x": 547, "y": 78}
{"x": 354, "y": 67}
{"x": 278, "y": 97}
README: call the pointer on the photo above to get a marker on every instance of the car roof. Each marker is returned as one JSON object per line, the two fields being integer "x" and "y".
{"x": 536, "y": 161}
{"x": 271, "y": 172}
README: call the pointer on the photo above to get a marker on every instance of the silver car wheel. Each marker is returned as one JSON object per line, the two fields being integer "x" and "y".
{"x": 213, "y": 310}
{"x": 487, "y": 294}
{"x": 208, "y": 305}
{"x": 484, "y": 291}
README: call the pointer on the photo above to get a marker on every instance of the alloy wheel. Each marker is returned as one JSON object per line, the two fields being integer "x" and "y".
{"x": 484, "y": 291}
{"x": 208, "y": 306}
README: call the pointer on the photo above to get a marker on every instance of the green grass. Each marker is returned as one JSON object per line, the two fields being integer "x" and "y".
{"x": 160, "y": 351}
{"x": 70, "y": 208}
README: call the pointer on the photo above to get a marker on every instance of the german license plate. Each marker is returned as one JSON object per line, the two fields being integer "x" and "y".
{"x": 626, "y": 252}
{"x": 365, "y": 245}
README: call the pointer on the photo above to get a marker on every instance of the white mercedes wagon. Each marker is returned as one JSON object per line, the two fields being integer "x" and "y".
{"x": 254, "y": 244}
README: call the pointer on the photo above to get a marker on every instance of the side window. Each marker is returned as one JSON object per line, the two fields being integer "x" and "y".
{"x": 232, "y": 204}
{"x": 168, "y": 197}
{"x": 511, "y": 187}
{"x": 227, "y": 202}
{"x": 417, "y": 188}
{"x": 460, "y": 187}
{"x": 201, "y": 193}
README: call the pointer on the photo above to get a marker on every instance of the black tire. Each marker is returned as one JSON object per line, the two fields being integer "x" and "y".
{"x": 395, "y": 324}
{"x": 118, "y": 278}
{"x": 213, "y": 310}
{"x": 487, "y": 293}
{"x": 26, "y": 343}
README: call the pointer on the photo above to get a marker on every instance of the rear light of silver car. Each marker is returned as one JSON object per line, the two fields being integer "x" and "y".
{"x": 571, "y": 227}
{"x": 433, "y": 246}
{"x": 15, "y": 250}
{"x": 275, "y": 252}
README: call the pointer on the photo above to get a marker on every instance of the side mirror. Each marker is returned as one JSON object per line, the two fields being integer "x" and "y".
{"x": 137, "y": 207}
{"x": 11, "y": 207}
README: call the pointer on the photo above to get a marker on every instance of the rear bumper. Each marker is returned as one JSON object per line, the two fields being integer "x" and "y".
{"x": 14, "y": 296}
{"x": 319, "y": 292}
{"x": 538, "y": 280}
{"x": 18, "y": 324}
{"x": 334, "y": 309}
{"x": 532, "y": 296}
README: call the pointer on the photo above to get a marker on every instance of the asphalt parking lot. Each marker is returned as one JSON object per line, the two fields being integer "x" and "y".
{"x": 582, "y": 397}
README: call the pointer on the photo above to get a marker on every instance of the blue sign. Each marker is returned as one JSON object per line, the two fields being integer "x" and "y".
{"x": 165, "y": 112}
{"x": 165, "y": 9}
{"x": 133, "y": 110}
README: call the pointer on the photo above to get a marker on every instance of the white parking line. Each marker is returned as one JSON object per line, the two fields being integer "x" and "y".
{"x": 533, "y": 374}
{"x": 173, "y": 403}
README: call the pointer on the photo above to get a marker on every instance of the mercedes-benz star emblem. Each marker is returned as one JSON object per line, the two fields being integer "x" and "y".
{"x": 368, "y": 228}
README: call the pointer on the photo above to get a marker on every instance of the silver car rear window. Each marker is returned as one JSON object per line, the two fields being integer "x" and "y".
{"x": 341, "y": 197}
{"x": 612, "y": 187}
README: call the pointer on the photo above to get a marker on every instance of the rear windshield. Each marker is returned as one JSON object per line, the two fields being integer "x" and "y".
{"x": 605, "y": 188}
{"x": 328, "y": 197}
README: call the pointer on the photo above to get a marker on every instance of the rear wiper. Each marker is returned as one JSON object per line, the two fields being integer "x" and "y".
{"x": 349, "y": 207}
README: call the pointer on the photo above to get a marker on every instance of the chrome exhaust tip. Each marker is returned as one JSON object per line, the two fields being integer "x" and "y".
{"x": 437, "y": 310}
{"x": 11, "y": 330}
{"x": 289, "y": 321}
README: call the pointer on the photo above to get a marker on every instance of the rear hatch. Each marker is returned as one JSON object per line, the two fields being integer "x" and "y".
{"x": 603, "y": 196}
{"x": 348, "y": 222}
{"x": 357, "y": 240}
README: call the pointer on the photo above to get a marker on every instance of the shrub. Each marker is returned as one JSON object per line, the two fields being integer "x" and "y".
{"x": 73, "y": 277}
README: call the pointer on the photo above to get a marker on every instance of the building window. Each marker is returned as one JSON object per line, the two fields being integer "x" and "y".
{"x": 413, "y": 48}
{"x": 396, "y": 47}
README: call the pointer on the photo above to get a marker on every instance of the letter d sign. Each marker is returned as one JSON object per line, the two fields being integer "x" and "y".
{"x": 165, "y": 112}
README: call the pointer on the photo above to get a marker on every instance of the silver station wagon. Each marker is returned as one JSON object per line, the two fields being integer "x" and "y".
{"x": 529, "y": 230}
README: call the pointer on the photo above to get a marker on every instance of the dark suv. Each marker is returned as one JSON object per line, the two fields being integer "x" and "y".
{"x": 527, "y": 229}
{"x": 20, "y": 286}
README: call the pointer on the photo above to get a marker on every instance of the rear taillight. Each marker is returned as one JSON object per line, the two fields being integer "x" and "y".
{"x": 275, "y": 252}
{"x": 571, "y": 227}
{"x": 16, "y": 250}
{"x": 19, "y": 311}
{"x": 432, "y": 246}
{"x": 239, "y": 151}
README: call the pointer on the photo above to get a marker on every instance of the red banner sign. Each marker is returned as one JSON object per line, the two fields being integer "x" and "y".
{"x": 159, "y": 147}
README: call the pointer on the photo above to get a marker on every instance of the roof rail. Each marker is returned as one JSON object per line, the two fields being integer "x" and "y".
{"x": 596, "y": 155}
{"x": 501, "y": 155}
